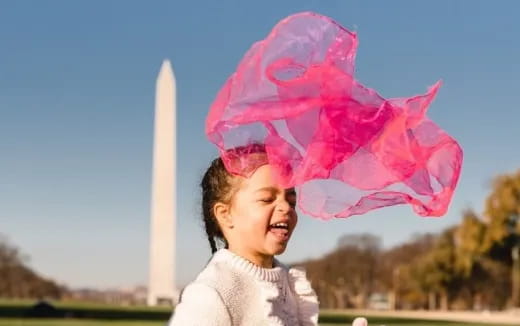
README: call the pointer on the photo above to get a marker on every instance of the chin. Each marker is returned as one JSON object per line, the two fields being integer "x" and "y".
{"x": 278, "y": 250}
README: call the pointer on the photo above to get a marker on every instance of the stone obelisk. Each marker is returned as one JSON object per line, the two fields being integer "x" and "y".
{"x": 161, "y": 284}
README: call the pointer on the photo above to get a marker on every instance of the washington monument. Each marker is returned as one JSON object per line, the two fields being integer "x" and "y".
{"x": 161, "y": 283}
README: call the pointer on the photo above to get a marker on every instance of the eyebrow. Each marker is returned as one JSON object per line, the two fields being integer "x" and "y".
{"x": 289, "y": 191}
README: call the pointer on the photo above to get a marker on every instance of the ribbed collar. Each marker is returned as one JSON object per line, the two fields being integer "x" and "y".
{"x": 266, "y": 274}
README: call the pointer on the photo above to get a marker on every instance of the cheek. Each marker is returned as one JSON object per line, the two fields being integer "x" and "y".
{"x": 254, "y": 221}
{"x": 261, "y": 219}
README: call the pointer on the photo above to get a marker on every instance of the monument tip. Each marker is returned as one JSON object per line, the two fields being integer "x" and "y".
{"x": 166, "y": 71}
{"x": 166, "y": 65}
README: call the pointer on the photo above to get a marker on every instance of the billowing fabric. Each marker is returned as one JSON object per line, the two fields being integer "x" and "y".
{"x": 345, "y": 148}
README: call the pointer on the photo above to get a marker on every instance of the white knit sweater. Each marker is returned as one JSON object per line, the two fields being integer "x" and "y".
{"x": 232, "y": 291}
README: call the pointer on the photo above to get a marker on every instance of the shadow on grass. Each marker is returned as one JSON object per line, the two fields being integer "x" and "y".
{"x": 49, "y": 311}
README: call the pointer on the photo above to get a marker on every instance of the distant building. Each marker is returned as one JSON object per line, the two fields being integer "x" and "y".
{"x": 123, "y": 296}
{"x": 379, "y": 301}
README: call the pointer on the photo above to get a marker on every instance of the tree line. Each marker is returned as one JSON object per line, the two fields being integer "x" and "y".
{"x": 17, "y": 280}
{"x": 472, "y": 265}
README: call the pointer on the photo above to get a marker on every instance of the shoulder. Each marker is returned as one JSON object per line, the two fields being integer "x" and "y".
{"x": 198, "y": 290}
{"x": 220, "y": 276}
{"x": 200, "y": 304}
{"x": 219, "y": 291}
{"x": 226, "y": 281}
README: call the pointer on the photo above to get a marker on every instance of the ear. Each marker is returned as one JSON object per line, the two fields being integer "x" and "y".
{"x": 223, "y": 214}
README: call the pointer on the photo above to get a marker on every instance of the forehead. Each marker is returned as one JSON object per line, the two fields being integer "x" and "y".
{"x": 262, "y": 179}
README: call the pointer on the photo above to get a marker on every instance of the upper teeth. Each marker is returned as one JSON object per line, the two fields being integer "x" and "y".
{"x": 280, "y": 224}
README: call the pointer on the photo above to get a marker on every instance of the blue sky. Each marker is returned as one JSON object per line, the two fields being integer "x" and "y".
{"x": 76, "y": 112}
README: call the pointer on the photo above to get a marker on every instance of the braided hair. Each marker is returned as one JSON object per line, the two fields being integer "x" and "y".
{"x": 216, "y": 187}
{"x": 219, "y": 185}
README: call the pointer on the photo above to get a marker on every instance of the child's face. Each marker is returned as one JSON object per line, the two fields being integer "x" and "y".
{"x": 263, "y": 215}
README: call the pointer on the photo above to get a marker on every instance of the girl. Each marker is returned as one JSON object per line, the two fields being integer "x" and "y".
{"x": 252, "y": 219}
{"x": 295, "y": 94}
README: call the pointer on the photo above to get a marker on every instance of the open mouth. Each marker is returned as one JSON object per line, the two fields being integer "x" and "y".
{"x": 281, "y": 226}
{"x": 280, "y": 231}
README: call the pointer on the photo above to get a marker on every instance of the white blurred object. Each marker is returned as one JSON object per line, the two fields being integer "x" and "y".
{"x": 360, "y": 321}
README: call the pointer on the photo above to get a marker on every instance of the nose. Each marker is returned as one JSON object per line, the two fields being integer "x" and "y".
{"x": 283, "y": 206}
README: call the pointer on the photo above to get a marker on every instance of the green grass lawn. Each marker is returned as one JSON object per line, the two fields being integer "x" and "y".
{"x": 87, "y": 322}
{"x": 327, "y": 319}
{"x": 75, "y": 322}
{"x": 90, "y": 322}
{"x": 407, "y": 322}
{"x": 87, "y": 314}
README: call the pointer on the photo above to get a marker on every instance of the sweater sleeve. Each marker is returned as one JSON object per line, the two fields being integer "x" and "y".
{"x": 200, "y": 305}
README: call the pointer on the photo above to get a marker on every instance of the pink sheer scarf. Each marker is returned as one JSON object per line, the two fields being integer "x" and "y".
{"x": 346, "y": 149}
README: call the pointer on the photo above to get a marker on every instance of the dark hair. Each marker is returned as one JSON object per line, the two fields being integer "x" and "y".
{"x": 217, "y": 185}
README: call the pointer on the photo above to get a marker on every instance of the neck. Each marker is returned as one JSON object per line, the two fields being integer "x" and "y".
{"x": 264, "y": 261}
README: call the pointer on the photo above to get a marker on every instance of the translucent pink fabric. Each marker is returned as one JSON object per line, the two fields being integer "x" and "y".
{"x": 346, "y": 149}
